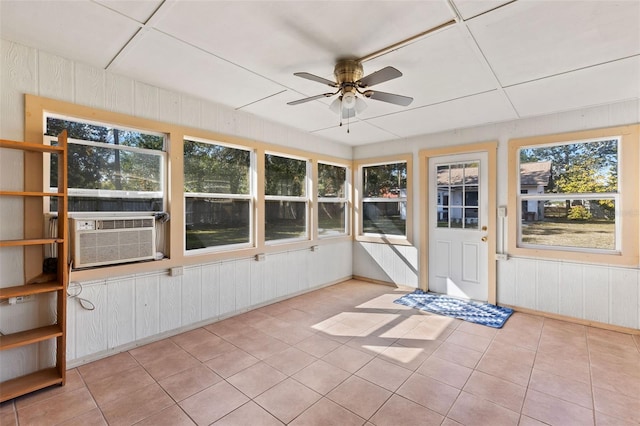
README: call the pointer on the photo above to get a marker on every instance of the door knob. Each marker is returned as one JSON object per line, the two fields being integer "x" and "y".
{"x": 484, "y": 228}
{"x": 484, "y": 239}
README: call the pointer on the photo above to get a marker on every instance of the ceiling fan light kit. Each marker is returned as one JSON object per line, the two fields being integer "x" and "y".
{"x": 351, "y": 82}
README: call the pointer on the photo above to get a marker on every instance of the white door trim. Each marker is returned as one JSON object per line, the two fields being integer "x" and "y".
{"x": 491, "y": 149}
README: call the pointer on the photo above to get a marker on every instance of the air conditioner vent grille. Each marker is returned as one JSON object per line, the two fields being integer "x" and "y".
{"x": 124, "y": 223}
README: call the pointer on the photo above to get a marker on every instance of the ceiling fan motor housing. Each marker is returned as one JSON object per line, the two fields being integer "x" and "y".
{"x": 348, "y": 71}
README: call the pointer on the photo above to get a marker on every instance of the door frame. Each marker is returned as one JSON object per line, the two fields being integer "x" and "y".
{"x": 491, "y": 148}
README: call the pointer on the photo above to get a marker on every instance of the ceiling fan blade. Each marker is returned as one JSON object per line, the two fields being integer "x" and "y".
{"x": 316, "y": 78}
{"x": 380, "y": 76}
{"x": 389, "y": 97}
{"x": 311, "y": 98}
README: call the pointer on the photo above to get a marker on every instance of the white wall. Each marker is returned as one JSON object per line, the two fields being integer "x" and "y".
{"x": 138, "y": 308}
{"x": 600, "y": 293}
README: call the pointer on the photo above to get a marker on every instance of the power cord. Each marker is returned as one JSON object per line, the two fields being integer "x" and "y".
{"x": 85, "y": 303}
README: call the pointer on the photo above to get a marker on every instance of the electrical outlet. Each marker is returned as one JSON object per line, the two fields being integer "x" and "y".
{"x": 176, "y": 271}
{"x": 260, "y": 257}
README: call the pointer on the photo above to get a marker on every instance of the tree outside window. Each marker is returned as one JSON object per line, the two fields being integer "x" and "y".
{"x": 286, "y": 198}
{"x": 384, "y": 203}
{"x": 332, "y": 200}
{"x": 568, "y": 195}
{"x": 218, "y": 195}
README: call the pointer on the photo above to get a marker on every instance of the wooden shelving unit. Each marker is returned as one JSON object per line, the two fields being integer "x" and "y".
{"x": 55, "y": 375}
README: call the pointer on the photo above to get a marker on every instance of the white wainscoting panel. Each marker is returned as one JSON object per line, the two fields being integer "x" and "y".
{"x": 610, "y": 295}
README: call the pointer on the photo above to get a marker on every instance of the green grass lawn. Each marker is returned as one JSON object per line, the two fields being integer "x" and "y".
{"x": 568, "y": 233}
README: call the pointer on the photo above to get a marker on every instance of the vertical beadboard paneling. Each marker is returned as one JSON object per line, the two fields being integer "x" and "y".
{"x": 190, "y": 113}
{"x": 89, "y": 86}
{"x": 270, "y": 277}
{"x": 72, "y": 307}
{"x": 257, "y": 282}
{"x": 526, "y": 283}
{"x": 91, "y": 333}
{"x": 548, "y": 286}
{"x": 18, "y": 76}
{"x": 18, "y": 362}
{"x": 145, "y": 101}
{"x": 191, "y": 307}
{"x": 571, "y": 300}
{"x": 170, "y": 302}
{"x": 227, "y": 287}
{"x": 55, "y": 77}
{"x": 147, "y": 295}
{"x": 210, "y": 290}
{"x": 121, "y": 312}
{"x": 209, "y": 116}
{"x": 506, "y": 282}
{"x": 625, "y": 297}
{"x": 168, "y": 106}
{"x": 242, "y": 283}
{"x": 119, "y": 93}
{"x": 596, "y": 293}
{"x": 278, "y": 263}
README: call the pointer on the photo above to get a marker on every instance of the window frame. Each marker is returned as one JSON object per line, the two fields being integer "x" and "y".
{"x": 307, "y": 198}
{"x": 344, "y": 200}
{"x": 359, "y": 201}
{"x": 627, "y": 225}
{"x": 251, "y": 197}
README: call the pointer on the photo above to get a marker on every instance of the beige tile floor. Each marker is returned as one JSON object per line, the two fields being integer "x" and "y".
{"x": 347, "y": 355}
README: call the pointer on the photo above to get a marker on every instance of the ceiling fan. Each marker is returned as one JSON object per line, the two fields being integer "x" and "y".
{"x": 350, "y": 84}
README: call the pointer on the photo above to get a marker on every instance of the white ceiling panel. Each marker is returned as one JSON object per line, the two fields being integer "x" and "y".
{"x": 470, "y": 8}
{"x": 79, "y": 30}
{"x": 280, "y": 38}
{"x": 441, "y": 67}
{"x": 165, "y": 62}
{"x": 490, "y": 107}
{"x": 311, "y": 115}
{"x": 608, "y": 83}
{"x": 360, "y": 133}
{"x": 140, "y": 10}
{"x": 528, "y": 40}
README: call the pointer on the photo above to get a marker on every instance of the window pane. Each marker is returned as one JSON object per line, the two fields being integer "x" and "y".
{"x": 331, "y": 181}
{"x": 384, "y": 218}
{"x": 104, "y": 133}
{"x": 285, "y": 176}
{"x": 456, "y": 219}
{"x": 471, "y": 196}
{"x": 216, "y": 169}
{"x": 112, "y": 204}
{"x": 331, "y": 219}
{"x": 385, "y": 181}
{"x": 583, "y": 167}
{"x": 92, "y": 167}
{"x": 214, "y": 222}
{"x": 569, "y": 223}
{"x": 471, "y": 218}
{"x": 285, "y": 219}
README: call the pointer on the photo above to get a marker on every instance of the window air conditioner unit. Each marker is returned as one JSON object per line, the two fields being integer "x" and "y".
{"x": 107, "y": 241}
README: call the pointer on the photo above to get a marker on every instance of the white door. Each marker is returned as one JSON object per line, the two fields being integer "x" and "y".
{"x": 458, "y": 210}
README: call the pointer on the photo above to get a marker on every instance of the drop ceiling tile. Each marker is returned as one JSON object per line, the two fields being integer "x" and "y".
{"x": 280, "y": 38}
{"x": 140, "y": 10}
{"x": 308, "y": 117}
{"x": 163, "y": 61}
{"x": 438, "y": 68}
{"x": 608, "y": 83}
{"x": 490, "y": 107}
{"x": 360, "y": 133}
{"x": 78, "y": 30}
{"x": 470, "y": 8}
{"x": 527, "y": 40}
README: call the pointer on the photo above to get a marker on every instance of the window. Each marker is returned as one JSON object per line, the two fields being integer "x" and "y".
{"x": 574, "y": 196}
{"x": 286, "y": 198}
{"x": 219, "y": 195}
{"x": 110, "y": 169}
{"x": 457, "y": 203}
{"x": 332, "y": 200}
{"x": 568, "y": 195}
{"x": 384, "y": 202}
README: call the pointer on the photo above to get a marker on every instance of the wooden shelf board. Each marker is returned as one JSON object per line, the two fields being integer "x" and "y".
{"x": 28, "y": 337}
{"x": 33, "y": 147}
{"x": 29, "y": 289}
{"x": 31, "y": 194}
{"x": 30, "y": 242}
{"x": 29, "y": 383}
